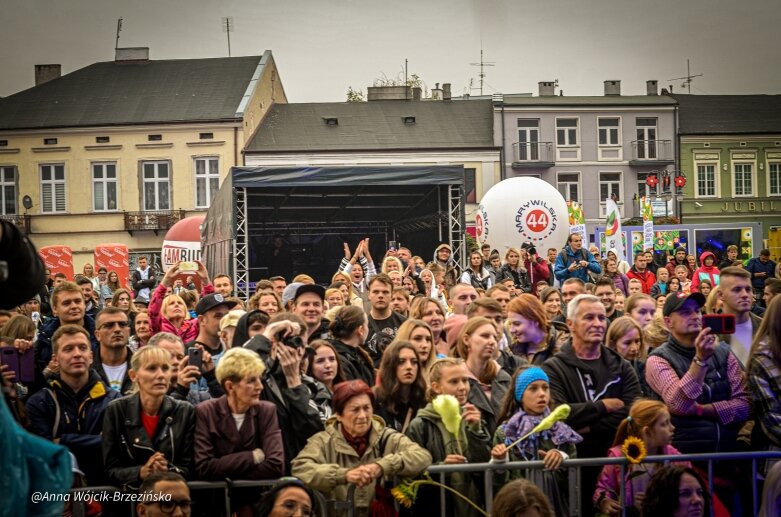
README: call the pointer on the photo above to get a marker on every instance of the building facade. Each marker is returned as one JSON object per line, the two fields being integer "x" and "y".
{"x": 590, "y": 148}
{"x": 120, "y": 151}
{"x": 731, "y": 155}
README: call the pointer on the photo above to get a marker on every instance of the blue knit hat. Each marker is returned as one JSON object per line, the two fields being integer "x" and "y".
{"x": 527, "y": 377}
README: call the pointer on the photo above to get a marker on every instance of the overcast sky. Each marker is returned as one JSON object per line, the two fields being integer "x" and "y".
{"x": 323, "y": 46}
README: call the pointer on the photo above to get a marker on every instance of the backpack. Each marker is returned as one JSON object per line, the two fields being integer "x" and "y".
{"x": 567, "y": 262}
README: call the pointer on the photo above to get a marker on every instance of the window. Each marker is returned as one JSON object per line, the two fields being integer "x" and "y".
{"x": 104, "y": 186}
{"x": 744, "y": 179}
{"x": 774, "y": 181}
{"x": 646, "y": 138}
{"x": 642, "y": 187}
{"x": 528, "y": 139}
{"x": 102, "y": 139}
{"x": 566, "y": 131}
{"x": 706, "y": 180}
{"x": 8, "y": 190}
{"x": 3, "y": 143}
{"x": 609, "y": 131}
{"x": 470, "y": 193}
{"x": 154, "y": 138}
{"x": 49, "y": 141}
{"x": 156, "y": 186}
{"x": 205, "y": 136}
{"x": 609, "y": 186}
{"x": 207, "y": 180}
{"x": 569, "y": 185}
{"x": 52, "y": 188}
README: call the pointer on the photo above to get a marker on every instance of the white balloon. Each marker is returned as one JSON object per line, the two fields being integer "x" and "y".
{"x": 519, "y": 210}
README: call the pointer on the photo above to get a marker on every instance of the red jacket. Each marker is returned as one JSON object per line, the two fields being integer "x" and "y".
{"x": 647, "y": 278}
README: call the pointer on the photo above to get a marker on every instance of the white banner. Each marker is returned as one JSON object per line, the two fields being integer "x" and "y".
{"x": 613, "y": 229}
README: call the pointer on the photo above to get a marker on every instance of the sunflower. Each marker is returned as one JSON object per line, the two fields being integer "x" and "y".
{"x": 407, "y": 491}
{"x": 634, "y": 450}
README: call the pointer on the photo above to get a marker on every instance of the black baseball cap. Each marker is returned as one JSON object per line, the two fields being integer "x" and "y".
{"x": 675, "y": 300}
{"x": 211, "y": 301}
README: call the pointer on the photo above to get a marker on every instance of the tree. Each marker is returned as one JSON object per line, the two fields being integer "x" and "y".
{"x": 354, "y": 95}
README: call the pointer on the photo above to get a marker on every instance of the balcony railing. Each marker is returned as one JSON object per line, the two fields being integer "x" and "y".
{"x": 152, "y": 220}
{"x": 22, "y": 221}
{"x": 533, "y": 154}
{"x": 652, "y": 152}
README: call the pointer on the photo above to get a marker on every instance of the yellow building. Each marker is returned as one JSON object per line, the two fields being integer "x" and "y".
{"x": 120, "y": 151}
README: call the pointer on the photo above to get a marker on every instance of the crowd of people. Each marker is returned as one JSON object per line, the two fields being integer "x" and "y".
{"x": 156, "y": 382}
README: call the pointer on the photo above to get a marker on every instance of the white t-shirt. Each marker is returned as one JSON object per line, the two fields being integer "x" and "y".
{"x": 741, "y": 341}
{"x": 239, "y": 418}
{"x": 115, "y": 375}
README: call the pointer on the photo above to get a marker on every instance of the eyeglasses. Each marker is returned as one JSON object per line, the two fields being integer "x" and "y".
{"x": 290, "y": 508}
{"x": 112, "y": 324}
{"x": 169, "y": 507}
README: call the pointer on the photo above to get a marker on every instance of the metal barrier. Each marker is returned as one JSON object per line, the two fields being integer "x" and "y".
{"x": 574, "y": 466}
{"x": 488, "y": 469}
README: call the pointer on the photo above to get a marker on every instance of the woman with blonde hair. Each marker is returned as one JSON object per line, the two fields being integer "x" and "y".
{"x": 432, "y": 313}
{"x": 390, "y": 263}
{"x": 488, "y": 383}
{"x": 713, "y": 303}
{"x": 267, "y": 301}
{"x": 419, "y": 333}
{"x": 625, "y": 336}
{"x": 170, "y": 313}
{"x": 347, "y": 287}
{"x": 513, "y": 268}
{"x": 148, "y": 431}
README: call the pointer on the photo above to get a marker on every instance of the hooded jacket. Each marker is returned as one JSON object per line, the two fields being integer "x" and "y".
{"x": 324, "y": 462}
{"x": 76, "y": 418}
{"x": 428, "y": 431}
{"x": 127, "y": 447}
{"x": 452, "y": 271}
{"x": 567, "y": 374}
{"x": 704, "y": 272}
{"x": 646, "y": 277}
{"x": 622, "y": 266}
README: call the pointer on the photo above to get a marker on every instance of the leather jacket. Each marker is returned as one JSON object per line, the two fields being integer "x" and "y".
{"x": 126, "y": 446}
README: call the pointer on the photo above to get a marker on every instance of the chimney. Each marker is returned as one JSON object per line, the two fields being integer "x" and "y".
{"x": 436, "y": 93}
{"x": 652, "y": 87}
{"x": 446, "y": 96}
{"x": 417, "y": 92}
{"x": 547, "y": 88}
{"x": 46, "y": 73}
{"x": 612, "y": 88}
{"x": 131, "y": 55}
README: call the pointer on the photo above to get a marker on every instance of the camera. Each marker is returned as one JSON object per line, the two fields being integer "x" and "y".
{"x": 291, "y": 341}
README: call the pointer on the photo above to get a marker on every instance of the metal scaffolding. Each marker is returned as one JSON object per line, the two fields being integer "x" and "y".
{"x": 455, "y": 195}
{"x": 241, "y": 245}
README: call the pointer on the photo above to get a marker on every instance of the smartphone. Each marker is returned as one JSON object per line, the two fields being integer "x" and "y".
{"x": 719, "y": 323}
{"x": 9, "y": 356}
{"x": 188, "y": 267}
{"x": 195, "y": 357}
{"x": 393, "y": 245}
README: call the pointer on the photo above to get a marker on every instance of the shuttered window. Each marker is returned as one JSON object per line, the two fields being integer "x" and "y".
{"x": 52, "y": 188}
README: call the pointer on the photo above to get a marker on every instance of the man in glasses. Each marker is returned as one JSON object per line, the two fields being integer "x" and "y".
{"x": 70, "y": 412}
{"x": 164, "y": 493}
{"x": 112, "y": 360}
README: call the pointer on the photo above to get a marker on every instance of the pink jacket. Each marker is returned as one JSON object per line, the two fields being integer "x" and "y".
{"x": 189, "y": 329}
{"x": 609, "y": 480}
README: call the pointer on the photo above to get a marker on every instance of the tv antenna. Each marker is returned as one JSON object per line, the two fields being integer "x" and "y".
{"x": 687, "y": 79}
{"x": 482, "y": 64}
{"x": 119, "y": 28}
{"x": 227, "y": 27}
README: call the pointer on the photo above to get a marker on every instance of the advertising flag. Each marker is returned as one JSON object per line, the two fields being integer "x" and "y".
{"x": 577, "y": 220}
{"x": 648, "y": 223}
{"x": 613, "y": 229}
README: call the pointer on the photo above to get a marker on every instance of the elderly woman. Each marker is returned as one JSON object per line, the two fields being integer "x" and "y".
{"x": 148, "y": 431}
{"x": 356, "y": 448}
{"x": 169, "y": 313}
{"x": 142, "y": 330}
{"x": 237, "y": 435}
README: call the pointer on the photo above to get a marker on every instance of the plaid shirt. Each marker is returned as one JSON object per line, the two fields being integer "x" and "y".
{"x": 681, "y": 394}
{"x": 765, "y": 383}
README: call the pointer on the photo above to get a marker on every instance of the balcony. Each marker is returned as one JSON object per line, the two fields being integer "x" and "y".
{"x": 527, "y": 155}
{"x": 652, "y": 152}
{"x": 21, "y": 221}
{"x": 152, "y": 220}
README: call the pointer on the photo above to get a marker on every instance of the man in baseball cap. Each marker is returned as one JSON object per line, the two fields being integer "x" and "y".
{"x": 210, "y": 310}
{"x": 699, "y": 379}
{"x": 306, "y": 300}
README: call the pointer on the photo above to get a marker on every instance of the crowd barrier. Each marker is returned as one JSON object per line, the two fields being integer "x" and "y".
{"x": 440, "y": 473}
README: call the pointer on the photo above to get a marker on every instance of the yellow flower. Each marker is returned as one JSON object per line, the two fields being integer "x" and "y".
{"x": 406, "y": 492}
{"x": 634, "y": 450}
{"x": 403, "y": 494}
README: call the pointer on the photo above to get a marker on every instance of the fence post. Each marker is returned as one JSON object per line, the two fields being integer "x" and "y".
{"x": 489, "y": 490}
{"x": 622, "y": 489}
{"x": 710, "y": 483}
{"x": 754, "y": 494}
{"x": 442, "y": 496}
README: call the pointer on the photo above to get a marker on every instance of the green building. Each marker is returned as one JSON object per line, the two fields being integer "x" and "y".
{"x": 730, "y": 152}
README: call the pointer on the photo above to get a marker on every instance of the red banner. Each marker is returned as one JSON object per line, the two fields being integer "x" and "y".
{"x": 58, "y": 259}
{"x": 113, "y": 257}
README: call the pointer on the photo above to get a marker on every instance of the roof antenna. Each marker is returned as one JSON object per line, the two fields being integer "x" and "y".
{"x": 119, "y": 28}
{"x": 227, "y": 27}
{"x": 687, "y": 79}
{"x": 482, "y": 64}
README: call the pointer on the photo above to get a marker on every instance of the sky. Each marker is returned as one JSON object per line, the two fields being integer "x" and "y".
{"x": 322, "y": 47}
